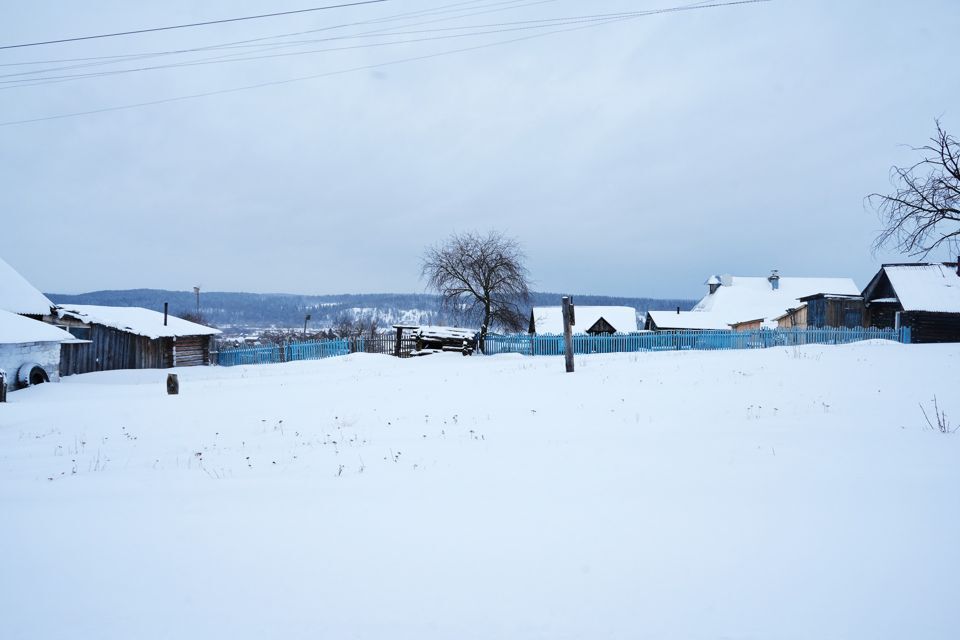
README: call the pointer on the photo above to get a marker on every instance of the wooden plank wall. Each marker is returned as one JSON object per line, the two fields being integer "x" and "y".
{"x": 927, "y": 326}
{"x": 111, "y": 349}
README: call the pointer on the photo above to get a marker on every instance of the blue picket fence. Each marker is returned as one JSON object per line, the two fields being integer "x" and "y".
{"x": 684, "y": 340}
{"x": 312, "y": 350}
{"x": 582, "y": 343}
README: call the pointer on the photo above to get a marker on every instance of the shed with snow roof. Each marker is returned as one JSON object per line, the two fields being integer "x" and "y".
{"x": 130, "y": 338}
{"x": 593, "y": 320}
{"x": 922, "y": 296}
{"x": 29, "y": 351}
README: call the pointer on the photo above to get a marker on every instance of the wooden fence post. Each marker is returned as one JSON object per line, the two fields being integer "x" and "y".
{"x": 567, "y": 333}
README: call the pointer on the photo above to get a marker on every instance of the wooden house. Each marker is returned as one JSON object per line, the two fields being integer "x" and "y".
{"x": 130, "y": 338}
{"x": 593, "y": 320}
{"x": 922, "y": 296}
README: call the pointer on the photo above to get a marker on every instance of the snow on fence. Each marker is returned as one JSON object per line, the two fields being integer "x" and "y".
{"x": 681, "y": 340}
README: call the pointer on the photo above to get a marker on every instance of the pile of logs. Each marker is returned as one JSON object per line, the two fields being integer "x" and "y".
{"x": 437, "y": 339}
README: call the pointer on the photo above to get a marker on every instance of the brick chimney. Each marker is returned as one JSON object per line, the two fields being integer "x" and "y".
{"x": 774, "y": 280}
{"x": 714, "y": 283}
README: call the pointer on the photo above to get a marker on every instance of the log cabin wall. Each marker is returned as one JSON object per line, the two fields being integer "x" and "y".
{"x": 928, "y": 326}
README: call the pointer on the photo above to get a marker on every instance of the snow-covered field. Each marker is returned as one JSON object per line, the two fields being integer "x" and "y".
{"x": 787, "y": 493}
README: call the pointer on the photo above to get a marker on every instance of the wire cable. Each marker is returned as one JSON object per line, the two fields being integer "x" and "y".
{"x": 476, "y": 30}
{"x": 400, "y": 61}
{"x": 189, "y": 25}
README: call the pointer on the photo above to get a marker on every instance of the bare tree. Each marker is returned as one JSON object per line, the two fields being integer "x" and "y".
{"x": 480, "y": 275}
{"x": 923, "y": 214}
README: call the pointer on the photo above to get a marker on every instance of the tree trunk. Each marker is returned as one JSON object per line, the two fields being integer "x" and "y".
{"x": 486, "y": 323}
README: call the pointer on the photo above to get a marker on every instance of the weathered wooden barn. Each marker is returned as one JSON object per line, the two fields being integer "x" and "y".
{"x": 922, "y": 296}
{"x": 833, "y": 310}
{"x": 130, "y": 338}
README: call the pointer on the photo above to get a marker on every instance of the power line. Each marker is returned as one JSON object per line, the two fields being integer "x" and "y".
{"x": 696, "y": 6}
{"x": 119, "y": 58}
{"x": 473, "y": 30}
{"x": 192, "y": 24}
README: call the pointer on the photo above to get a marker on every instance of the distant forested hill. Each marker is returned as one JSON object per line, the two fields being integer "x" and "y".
{"x": 262, "y": 310}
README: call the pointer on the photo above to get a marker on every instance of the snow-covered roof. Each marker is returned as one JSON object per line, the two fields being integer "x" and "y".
{"x": 137, "y": 320}
{"x": 687, "y": 320}
{"x": 16, "y": 329}
{"x": 549, "y": 320}
{"x": 19, "y": 296}
{"x": 748, "y": 298}
{"x": 926, "y": 287}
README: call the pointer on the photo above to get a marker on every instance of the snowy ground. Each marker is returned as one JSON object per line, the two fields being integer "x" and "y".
{"x": 787, "y": 493}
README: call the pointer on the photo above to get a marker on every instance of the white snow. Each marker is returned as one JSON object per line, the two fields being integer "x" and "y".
{"x": 549, "y": 320}
{"x": 782, "y": 493}
{"x": 440, "y": 332}
{"x": 688, "y": 320}
{"x": 932, "y": 287}
{"x": 750, "y": 298}
{"x": 16, "y": 329}
{"x": 19, "y": 296}
{"x": 136, "y": 320}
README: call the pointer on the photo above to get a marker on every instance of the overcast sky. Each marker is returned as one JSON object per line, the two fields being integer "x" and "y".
{"x": 633, "y": 157}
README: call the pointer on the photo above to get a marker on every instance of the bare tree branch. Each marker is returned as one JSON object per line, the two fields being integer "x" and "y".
{"x": 923, "y": 213}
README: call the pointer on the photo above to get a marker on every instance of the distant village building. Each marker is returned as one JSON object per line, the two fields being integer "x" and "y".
{"x": 922, "y": 296}
{"x": 590, "y": 320}
{"x": 684, "y": 321}
{"x": 130, "y": 338}
{"x": 29, "y": 349}
{"x": 753, "y": 302}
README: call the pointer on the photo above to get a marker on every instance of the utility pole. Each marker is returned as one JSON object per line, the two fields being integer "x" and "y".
{"x": 568, "y": 321}
{"x": 196, "y": 290}
{"x": 305, "y": 320}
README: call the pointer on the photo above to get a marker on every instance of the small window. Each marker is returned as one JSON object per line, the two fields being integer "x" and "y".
{"x": 81, "y": 333}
